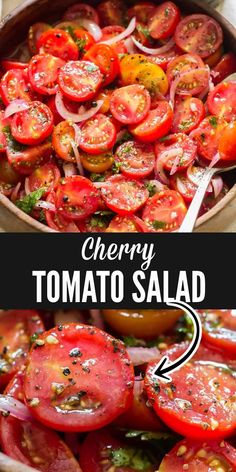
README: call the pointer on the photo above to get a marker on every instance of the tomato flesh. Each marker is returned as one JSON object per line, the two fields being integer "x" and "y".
{"x": 135, "y": 160}
{"x": 189, "y": 113}
{"x": 47, "y": 176}
{"x": 34, "y": 125}
{"x": 15, "y": 86}
{"x": 182, "y": 152}
{"x": 43, "y": 73}
{"x": 58, "y": 43}
{"x": 219, "y": 329}
{"x": 98, "y": 135}
{"x": 106, "y": 59}
{"x": 222, "y": 102}
{"x": 157, "y": 123}
{"x": 124, "y": 196}
{"x": 79, "y": 80}
{"x": 163, "y": 20}
{"x": 130, "y": 104}
{"x": 164, "y": 211}
{"x": 76, "y": 198}
{"x": 63, "y": 139}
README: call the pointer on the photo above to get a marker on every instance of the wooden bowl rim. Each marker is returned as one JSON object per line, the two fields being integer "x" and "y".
{"x": 202, "y": 219}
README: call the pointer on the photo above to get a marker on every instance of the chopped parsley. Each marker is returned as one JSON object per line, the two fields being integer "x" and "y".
{"x": 116, "y": 167}
{"x": 213, "y": 121}
{"x": 131, "y": 341}
{"x": 97, "y": 177}
{"x": 126, "y": 137}
{"x": 184, "y": 328}
{"x": 151, "y": 188}
{"x": 158, "y": 224}
{"x": 144, "y": 30}
{"x": 136, "y": 459}
{"x": 80, "y": 42}
{"x": 167, "y": 12}
{"x": 28, "y": 203}
{"x": 185, "y": 124}
{"x": 101, "y": 219}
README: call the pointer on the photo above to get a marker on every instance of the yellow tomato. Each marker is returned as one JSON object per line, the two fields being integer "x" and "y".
{"x": 129, "y": 65}
{"x": 105, "y": 95}
{"x": 145, "y": 324}
{"x": 97, "y": 164}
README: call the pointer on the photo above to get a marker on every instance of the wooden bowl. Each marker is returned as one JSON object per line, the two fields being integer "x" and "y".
{"x": 13, "y": 30}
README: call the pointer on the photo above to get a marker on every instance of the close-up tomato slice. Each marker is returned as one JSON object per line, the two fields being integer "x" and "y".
{"x": 207, "y": 136}
{"x": 34, "y": 34}
{"x": 227, "y": 143}
{"x": 46, "y": 176}
{"x": 34, "y": 125}
{"x": 98, "y": 135}
{"x": 163, "y": 20}
{"x": 130, "y": 104}
{"x": 219, "y": 329}
{"x": 15, "y": 85}
{"x": 198, "y": 455}
{"x": 200, "y": 400}
{"x": 164, "y": 211}
{"x": 183, "y": 185}
{"x": 63, "y": 139}
{"x": 124, "y": 196}
{"x": 79, "y": 80}
{"x": 189, "y": 112}
{"x": 56, "y": 221}
{"x": 17, "y": 327}
{"x": 199, "y": 34}
{"x": 84, "y": 40}
{"x": 225, "y": 67}
{"x": 26, "y": 159}
{"x": 135, "y": 160}
{"x": 81, "y": 10}
{"x": 142, "y": 11}
{"x": 178, "y": 150}
{"x": 78, "y": 378}
{"x": 59, "y": 43}
{"x": 156, "y": 125}
{"x": 43, "y": 73}
{"x": 109, "y": 32}
{"x": 111, "y": 12}
{"x": 192, "y": 73}
{"x": 126, "y": 224}
{"x": 97, "y": 163}
{"x": 222, "y": 101}
{"x": 76, "y": 198}
{"x": 106, "y": 59}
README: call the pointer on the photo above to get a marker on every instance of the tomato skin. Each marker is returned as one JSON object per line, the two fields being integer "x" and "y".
{"x": 142, "y": 11}
{"x": 97, "y": 405}
{"x": 111, "y": 12}
{"x": 86, "y": 39}
{"x": 56, "y": 221}
{"x": 8, "y": 175}
{"x": 227, "y": 143}
{"x": 136, "y": 160}
{"x": 79, "y": 80}
{"x": 106, "y": 59}
{"x": 179, "y": 142}
{"x": 15, "y": 86}
{"x": 34, "y": 34}
{"x": 124, "y": 196}
{"x": 27, "y": 159}
{"x": 58, "y": 43}
{"x": 43, "y": 73}
{"x": 62, "y": 136}
{"x": 164, "y": 211}
{"x": 188, "y": 114}
{"x": 8, "y": 64}
{"x": 126, "y": 224}
{"x": 81, "y": 10}
{"x": 97, "y": 163}
{"x": 4, "y": 122}
{"x": 156, "y": 125}
{"x": 130, "y": 104}
{"x": 215, "y": 57}
{"x": 219, "y": 329}
{"x": 47, "y": 176}
{"x": 34, "y": 125}
{"x": 76, "y": 198}
{"x": 207, "y": 136}
{"x": 98, "y": 135}
{"x": 225, "y": 67}
{"x": 163, "y": 21}
{"x": 109, "y": 32}
{"x": 221, "y": 101}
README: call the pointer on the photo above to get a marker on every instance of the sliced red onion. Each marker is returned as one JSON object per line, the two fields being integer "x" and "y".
{"x": 15, "y": 192}
{"x": 127, "y": 32}
{"x": 215, "y": 159}
{"x": 97, "y": 318}
{"x": 179, "y": 78}
{"x": 45, "y": 205}
{"x": 27, "y": 188}
{"x": 195, "y": 177}
{"x": 142, "y": 355}
{"x": 217, "y": 184}
{"x": 75, "y": 117}
{"x": 69, "y": 169}
{"x": 175, "y": 165}
{"x": 92, "y": 28}
{"x": 160, "y": 162}
{"x": 193, "y": 107}
{"x": 153, "y": 51}
{"x": 15, "y": 107}
{"x": 77, "y": 157}
{"x": 129, "y": 45}
{"x": 101, "y": 184}
{"x": 15, "y": 408}
{"x": 77, "y": 130}
{"x": 157, "y": 184}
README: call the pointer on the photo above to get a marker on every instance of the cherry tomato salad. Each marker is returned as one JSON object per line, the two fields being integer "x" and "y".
{"x": 78, "y": 391}
{"x": 109, "y": 117}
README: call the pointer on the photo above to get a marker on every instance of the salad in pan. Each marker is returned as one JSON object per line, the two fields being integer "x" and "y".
{"x": 109, "y": 117}
{"x": 78, "y": 391}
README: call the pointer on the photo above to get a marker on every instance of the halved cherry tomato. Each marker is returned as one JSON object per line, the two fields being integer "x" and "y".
{"x": 81, "y": 10}
{"x": 31, "y": 443}
{"x": 227, "y": 143}
{"x": 79, "y": 80}
{"x": 24, "y": 160}
{"x": 130, "y": 65}
{"x": 106, "y": 59}
{"x": 98, "y": 454}
{"x": 109, "y": 32}
{"x": 105, "y": 95}
{"x": 111, "y": 12}
{"x": 56, "y": 221}
{"x": 225, "y": 67}
{"x": 4, "y": 122}
{"x": 85, "y": 40}
{"x": 164, "y": 211}
{"x": 142, "y": 11}
{"x": 186, "y": 151}
{"x": 221, "y": 101}
{"x": 135, "y": 160}
{"x": 47, "y": 176}
{"x": 34, "y": 125}
{"x": 76, "y": 198}
{"x": 92, "y": 359}
{"x": 207, "y": 136}
{"x": 142, "y": 35}
{"x": 7, "y": 173}
{"x": 200, "y": 400}
{"x": 164, "y": 59}
{"x": 219, "y": 329}
{"x": 191, "y": 83}
{"x": 58, "y": 43}
{"x": 157, "y": 123}
{"x": 163, "y": 20}
{"x": 188, "y": 114}
{"x": 184, "y": 186}
{"x": 8, "y": 64}
{"x": 52, "y": 105}
{"x": 197, "y": 455}
{"x": 130, "y": 104}
{"x": 43, "y": 73}
{"x": 17, "y": 327}
{"x": 126, "y": 224}
{"x": 124, "y": 196}
{"x": 15, "y": 85}
{"x": 63, "y": 137}
{"x": 214, "y": 58}
{"x": 199, "y": 34}
{"x": 97, "y": 164}
{"x": 35, "y": 31}
{"x": 98, "y": 135}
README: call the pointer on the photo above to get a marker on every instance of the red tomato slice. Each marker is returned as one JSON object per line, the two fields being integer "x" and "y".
{"x": 52, "y": 105}
{"x": 126, "y": 224}
{"x": 56, "y": 221}
{"x": 93, "y": 224}
{"x": 222, "y": 101}
{"x": 14, "y": 85}
{"x": 182, "y": 151}
{"x": 43, "y": 73}
{"x": 79, "y": 80}
{"x": 200, "y": 400}
{"x": 109, "y": 32}
{"x": 192, "y": 456}
{"x": 207, "y": 136}
{"x": 142, "y": 11}
{"x": 26, "y": 159}
{"x": 157, "y": 123}
{"x": 124, "y": 196}
{"x": 219, "y": 329}
{"x": 85, "y": 40}
{"x": 8, "y": 64}
{"x": 62, "y": 138}
{"x": 111, "y": 12}
{"x": 164, "y": 212}
{"x": 81, "y": 362}
{"x": 81, "y": 10}
{"x": 34, "y": 34}
{"x": 227, "y": 143}
{"x": 8, "y": 176}
{"x": 47, "y": 176}
{"x": 163, "y": 60}
{"x": 130, "y": 104}
{"x": 59, "y": 43}
{"x": 4, "y": 122}
{"x": 188, "y": 115}
{"x": 199, "y": 34}
{"x": 135, "y": 160}
{"x": 225, "y": 67}
{"x": 191, "y": 84}
{"x": 106, "y": 59}
{"x": 98, "y": 135}
{"x": 163, "y": 20}
{"x": 16, "y": 327}
{"x": 31, "y": 443}
{"x": 34, "y": 125}
{"x": 76, "y": 198}
{"x": 182, "y": 184}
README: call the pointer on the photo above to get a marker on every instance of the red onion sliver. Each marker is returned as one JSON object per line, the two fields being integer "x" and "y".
{"x": 77, "y": 134}
{"x": 15, "y": 408}
{"x": 15, "y": 192}
{"x": 215, "y": 159}
{"x": 179, "y": 78}
{"x": 27, "y": 188}
{"x": 97, "y": 318}
{"x": 129, "y": 45}
{"x": 77, "y": 158}
{"x": 157, "y": 184}
{"x": 15, "y": 107}
{"x": 75, "y": 117}
{"x": 69, "y": 169}
{"x": 161, "y": 160}
{"x": 153, "y": 51}
{"x": 175, "y": 165}
{"x": 217, "y": 184}
{"x": 142, "y": 355}
{"x": 45, "y": 205}
{"x": 92, "y": 28}
{"x": 127, "y": 32}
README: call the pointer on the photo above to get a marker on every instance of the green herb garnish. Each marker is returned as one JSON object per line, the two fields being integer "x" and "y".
{"x": 28, "y": 203}
{"x": 158, "y": 224}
